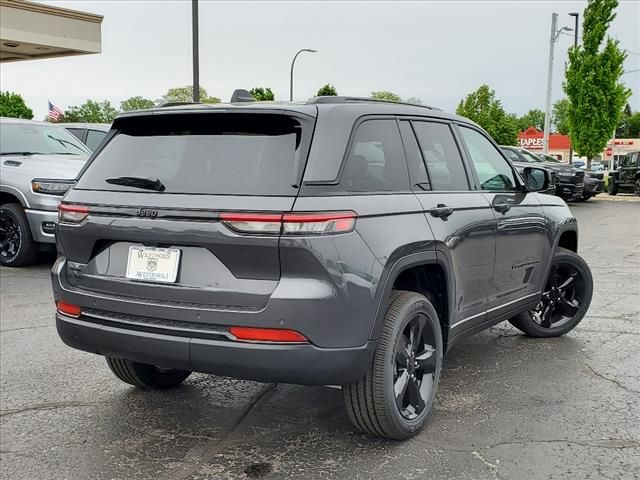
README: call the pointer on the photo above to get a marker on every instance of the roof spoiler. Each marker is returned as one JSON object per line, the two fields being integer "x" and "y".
{"x": 241, "y": 96}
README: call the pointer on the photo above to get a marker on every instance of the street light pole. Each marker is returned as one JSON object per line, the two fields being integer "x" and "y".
{"x": 555, "y": 33}
{"x": 547, "y": 110}
{"x": 196, "y": 56}
{"x": 576, "y": 16}
{"x": 292, "y": 65}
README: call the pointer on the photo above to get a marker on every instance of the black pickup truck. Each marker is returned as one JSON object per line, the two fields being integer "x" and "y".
{"x": 627, "y": 176}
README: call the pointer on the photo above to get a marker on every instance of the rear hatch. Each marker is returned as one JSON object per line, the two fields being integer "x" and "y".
{"x": 144, "y": 219}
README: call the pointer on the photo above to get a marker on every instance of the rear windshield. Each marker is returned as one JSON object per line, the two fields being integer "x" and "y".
{"x": 221, "y": 154}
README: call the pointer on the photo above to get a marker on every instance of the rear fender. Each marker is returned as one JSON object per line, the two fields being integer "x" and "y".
{"x": 393, "y": 270}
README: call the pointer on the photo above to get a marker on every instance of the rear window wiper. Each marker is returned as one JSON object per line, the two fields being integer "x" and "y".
{"x": 137, "y": 182}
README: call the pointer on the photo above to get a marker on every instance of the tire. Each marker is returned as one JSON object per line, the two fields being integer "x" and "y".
{"x": 612, "y": 187}
{"x": 145, "y": 376}
{"x": 586, "y": 197}
{"x": 371, "y": 402}
{"x": 636, "y": 189}
{"x": 563, "y": 305}
{"x": 17, "y": 248}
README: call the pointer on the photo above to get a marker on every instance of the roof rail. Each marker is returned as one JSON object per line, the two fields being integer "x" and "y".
{"x": 175, "y": 104}
{"x": 342, "y": 99}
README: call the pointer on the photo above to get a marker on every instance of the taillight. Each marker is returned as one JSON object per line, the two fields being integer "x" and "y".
{"x": 72, "y": 213}
{"x": 318, "y": 223}
{"x": 68, "y": 309}
{"x": 321, "y": 223}
{"x": 265, "y": 223}
{"x": 274, "y": 335}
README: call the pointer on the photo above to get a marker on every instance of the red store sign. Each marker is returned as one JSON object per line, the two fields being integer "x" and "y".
{"x": 531, "y": 139}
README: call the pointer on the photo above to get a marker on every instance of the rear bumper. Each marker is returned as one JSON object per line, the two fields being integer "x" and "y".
{"x": 293, "y": 363}
{"x": 42, "y": 225}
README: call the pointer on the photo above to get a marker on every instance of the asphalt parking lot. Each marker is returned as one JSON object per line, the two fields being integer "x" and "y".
{"x": 508, "y": 407}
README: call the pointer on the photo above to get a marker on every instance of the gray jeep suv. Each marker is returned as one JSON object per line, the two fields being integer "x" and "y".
{"x": 339, "y": 241}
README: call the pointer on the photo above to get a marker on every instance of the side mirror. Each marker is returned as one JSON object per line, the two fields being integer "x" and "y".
{"x": 536, "y": 179}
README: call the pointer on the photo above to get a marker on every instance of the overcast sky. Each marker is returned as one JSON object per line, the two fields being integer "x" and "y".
{"x": 435, "y": 51}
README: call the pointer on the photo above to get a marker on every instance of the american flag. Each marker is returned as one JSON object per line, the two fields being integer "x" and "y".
{"x": 54, "y": 113}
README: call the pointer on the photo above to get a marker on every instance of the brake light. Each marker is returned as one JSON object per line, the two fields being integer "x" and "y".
{"x": 68, "y": 309}
{"x": 275, "y": 335}
{"x": 321, "y": 223}
{"x": 72, "y": 213}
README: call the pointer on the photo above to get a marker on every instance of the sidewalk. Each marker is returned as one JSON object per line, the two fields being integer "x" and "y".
{"x": 621, "y": 197}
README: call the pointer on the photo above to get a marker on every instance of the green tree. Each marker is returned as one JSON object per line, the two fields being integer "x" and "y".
{"x": 560, "y": 116}
{"x": 136, "y": 103}
{"x": 91, "y": 111}
{"x": 622, "y": 129}
{"x": 486, "y": 110}
{"x": 185, "y": 94}
{"x": 12, "y": 105}
{"x": 327, "y": 90}
{"x": 533, "y": 118}
{"x": 634, "y": 125}
{"x": 262, "y": 94}
{"x": 385, "y": 95}
{"x": 592, "y": 82}
{"x": 414, "y": 100}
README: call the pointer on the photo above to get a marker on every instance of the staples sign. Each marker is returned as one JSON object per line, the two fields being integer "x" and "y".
{"x": 530, "y": 142}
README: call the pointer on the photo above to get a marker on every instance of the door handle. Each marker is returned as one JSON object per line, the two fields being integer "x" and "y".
{"x": 441, "y": 211}
{"x": 502, "y": 207}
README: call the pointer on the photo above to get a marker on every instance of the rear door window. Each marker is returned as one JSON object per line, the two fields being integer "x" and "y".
{"x": 417, "y": 169}
{"x": 376, "y": 159}
{"x": 223, "y": 154}
{"x": 442, "y": 157}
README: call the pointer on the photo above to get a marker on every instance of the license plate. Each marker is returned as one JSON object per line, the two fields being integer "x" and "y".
{"x": 150, "y": 264}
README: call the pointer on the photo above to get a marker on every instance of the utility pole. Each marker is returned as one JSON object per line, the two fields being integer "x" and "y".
{"x": 576, "y": 16}
{"x": 555, "y": 33}
{"x": 547, "y": 110}
{"x": 196, "y": 56}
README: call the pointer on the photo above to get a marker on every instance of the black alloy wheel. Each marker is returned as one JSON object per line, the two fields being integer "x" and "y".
{"x": 562, "y": 297}
{"x": 415, "y": 367}
{"x": 564, "y": 301}
{"x": 396, "y": 395}
{"x": 10, "y": 237}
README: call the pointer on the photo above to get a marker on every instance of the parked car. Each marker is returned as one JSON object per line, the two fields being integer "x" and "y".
{"x": 38, "y": 162}
{"x": 593, "y": 179}
{"x": 548, "y": 158}
{"x": 338, "y": 242}
{"x": 596, "y": 166}
{"x": 91, "y": 134}
{"x": 627, "y": 176}
{"x": 569, "y": 181}
{"x": 522, "y": 163}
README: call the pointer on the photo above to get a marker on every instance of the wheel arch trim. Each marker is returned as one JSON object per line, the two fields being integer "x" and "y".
{"x": 391, "y": 274}
{"x": 15, "y": 193}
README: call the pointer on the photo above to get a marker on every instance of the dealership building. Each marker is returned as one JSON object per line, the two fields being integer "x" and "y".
{"x": 30, "y": 31}
{"x": 531, "y": 139}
